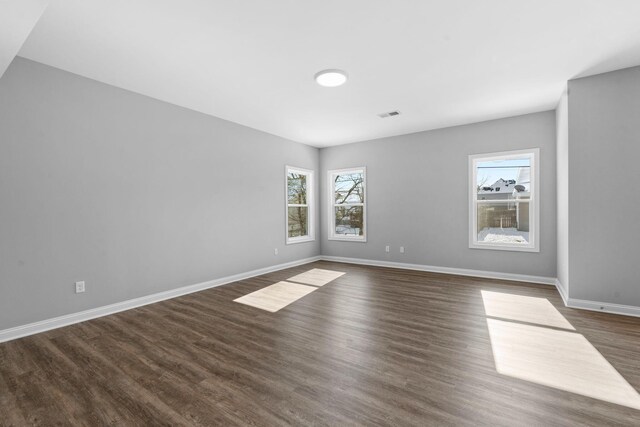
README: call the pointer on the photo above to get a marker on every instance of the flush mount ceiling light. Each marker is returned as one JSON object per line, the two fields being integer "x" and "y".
{"x": 331, "y": 78}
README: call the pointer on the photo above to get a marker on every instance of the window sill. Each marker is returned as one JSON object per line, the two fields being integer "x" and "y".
{"x": 349, "y": 239}
{"x": 503, "y": 247}
{"x": 294, "y": 240}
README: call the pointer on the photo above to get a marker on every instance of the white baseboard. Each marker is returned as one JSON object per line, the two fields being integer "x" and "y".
{"x": 562, "y": 290}
{"x": 626, "y": 310}
{"x": 69, "y": 319}
{"x": 604, "y": 307}
{"x": 447, "y": 270}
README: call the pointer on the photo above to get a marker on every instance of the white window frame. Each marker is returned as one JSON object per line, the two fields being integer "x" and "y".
{"x": 332, "y": 205}
{"x": 310, "y": 205}
{"x": 534, "y": 201}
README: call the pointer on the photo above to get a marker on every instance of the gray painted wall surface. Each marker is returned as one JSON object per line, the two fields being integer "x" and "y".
{"x": 604, "y": 184}
{"x": 418, "y": 195}
{"x": 131, "y": 194}
{"x": 562, "y": 172}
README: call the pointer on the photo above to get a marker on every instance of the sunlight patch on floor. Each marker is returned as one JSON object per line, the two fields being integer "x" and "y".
{"x": 526, "y": 346}
{"x": 523, "y": 309}
{"x": 316, "y": 277}
{"x": 559, "y": 359}
{"x": 281, "y": 294}
{"x": 276, "y": 296}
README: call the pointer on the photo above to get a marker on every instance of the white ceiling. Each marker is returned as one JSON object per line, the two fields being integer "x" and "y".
{"x": 440, "y": 62}
{"x": 17, "y": 19}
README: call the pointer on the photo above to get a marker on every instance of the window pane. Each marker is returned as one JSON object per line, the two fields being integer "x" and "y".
{"x": 503, "y": 222}
{"x": 349, "y": 220}
{"x": 503, "y": 179}
{"x": 298, "y": 224}
{"x": 349, "y": 188}
{"x": 297, "y": 188}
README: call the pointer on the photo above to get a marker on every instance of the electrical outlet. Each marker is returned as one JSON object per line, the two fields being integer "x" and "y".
{"x": 386, "y": 249}
{"x": 80, "y": 287}
{"x": 401, "y": 249}
{"x": 275, "y": 251}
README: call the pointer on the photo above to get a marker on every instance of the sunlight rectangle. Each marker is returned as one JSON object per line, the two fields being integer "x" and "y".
{"x": 276, "y": 296}
{"x": 523, "y": 309}
{"x": 316, "y": 277}
{"x": 560, "y": 359}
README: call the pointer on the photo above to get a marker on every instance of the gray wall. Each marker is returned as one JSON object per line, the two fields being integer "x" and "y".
{"x": 604, "y": 187}
{"x": 562, "y": 172}
{"x": 418, "y": 195}
{"x": 131, "y": 194}
{"x": 137, "y": 196}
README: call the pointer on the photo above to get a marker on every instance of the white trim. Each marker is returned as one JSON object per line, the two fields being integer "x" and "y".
{"x": 604, "y": 307}
{"x": 541, "y": 280}
{"x": 331, "y": 204}
{"x": 69, "y": 319}
{"x": 311, "y": 211}
{"x": 534, "y": 216}
{"x": 562, "y": 290}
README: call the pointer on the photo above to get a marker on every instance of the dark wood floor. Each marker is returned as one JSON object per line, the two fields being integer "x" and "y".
{"x": 377, "y": 346}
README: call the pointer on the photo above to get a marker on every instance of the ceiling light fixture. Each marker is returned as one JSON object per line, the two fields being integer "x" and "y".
{"x": 331, "y": 78}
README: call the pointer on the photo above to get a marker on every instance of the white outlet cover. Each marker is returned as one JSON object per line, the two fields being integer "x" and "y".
{"x": 80, "y": 287}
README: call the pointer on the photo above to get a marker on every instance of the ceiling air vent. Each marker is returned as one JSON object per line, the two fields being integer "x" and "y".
{"x": 389, "y": 114}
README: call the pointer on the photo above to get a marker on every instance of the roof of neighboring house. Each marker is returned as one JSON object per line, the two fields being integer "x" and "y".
{"x": 498, "y": 187}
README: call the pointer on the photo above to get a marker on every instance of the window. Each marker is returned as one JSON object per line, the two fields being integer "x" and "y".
{"x": 347, "y": 204}
{"x": 504, "y": 203}
{"x": 300, "y": 227}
